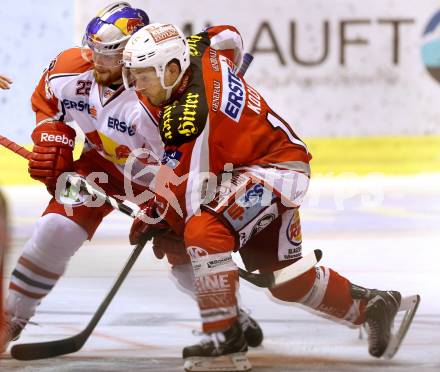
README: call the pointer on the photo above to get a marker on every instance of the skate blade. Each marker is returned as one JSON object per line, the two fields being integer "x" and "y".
{"x": 231, "y": 362}
{"x": 409, "y": 306}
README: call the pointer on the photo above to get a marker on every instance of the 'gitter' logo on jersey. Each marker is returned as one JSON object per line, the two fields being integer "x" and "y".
{"x": 46, "y": 137}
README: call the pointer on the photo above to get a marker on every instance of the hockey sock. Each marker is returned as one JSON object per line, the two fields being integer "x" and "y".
{"x": 325, "y": 291}
{"x": 43, "y": 261}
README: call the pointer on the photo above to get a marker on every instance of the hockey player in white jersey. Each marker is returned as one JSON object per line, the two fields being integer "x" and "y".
{"x": 85, "y": 85}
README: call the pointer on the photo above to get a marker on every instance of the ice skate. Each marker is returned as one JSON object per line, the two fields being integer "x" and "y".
{"x": 10, "y": 331}
{"x": 221, "y": 351}
{"x": 380, "y": 314}
{"x": 379, "y": 318}
{"x": 251, "y": 329}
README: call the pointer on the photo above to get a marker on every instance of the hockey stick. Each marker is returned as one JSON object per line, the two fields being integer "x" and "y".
{"x": 264, "y": 280}
{"x": 279, "y": 277}
{"x": 10, "y": 145}
{"x": 69, "y": 345}
{"x": 247, "y": 60}
{"x": 79, "y": 184}
{"x": 76, "y": 181}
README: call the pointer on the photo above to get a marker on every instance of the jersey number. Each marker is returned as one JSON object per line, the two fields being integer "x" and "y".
{"x": 83, "y": 87}
{"x": 277, "y": 122}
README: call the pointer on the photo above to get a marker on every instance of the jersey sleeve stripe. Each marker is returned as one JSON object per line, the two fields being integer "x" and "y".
{"x": 56, "y": 76}
{"x": 295, "y": 166}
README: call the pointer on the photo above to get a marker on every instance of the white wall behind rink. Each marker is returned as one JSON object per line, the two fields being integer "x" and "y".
{"x": 331, "y": 68}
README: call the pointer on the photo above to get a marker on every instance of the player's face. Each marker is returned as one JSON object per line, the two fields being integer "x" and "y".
{"x": 148, "y": 83}
{"x": 107, "y": 68}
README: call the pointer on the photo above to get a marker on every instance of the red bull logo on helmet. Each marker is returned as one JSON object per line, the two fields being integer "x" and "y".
{"x": 129, "y": 26}
{"x": 134, "y": 24}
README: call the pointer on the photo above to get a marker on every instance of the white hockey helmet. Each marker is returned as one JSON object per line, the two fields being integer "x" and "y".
{"x": 155, "y": 45}
{"x": 107, "y": 34}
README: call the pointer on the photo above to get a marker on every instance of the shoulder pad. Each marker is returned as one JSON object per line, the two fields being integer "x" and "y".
{"x": 69, "y": 61}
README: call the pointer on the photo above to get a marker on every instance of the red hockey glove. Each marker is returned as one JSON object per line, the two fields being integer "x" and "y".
{"x": 147, "y": 223}
{"x": 171, "y": 245}
{"x": 52, "y": 153}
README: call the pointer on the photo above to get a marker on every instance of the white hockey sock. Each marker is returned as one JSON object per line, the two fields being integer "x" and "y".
{"x": 44, "y": 259}
{"x": 183, "y": 276}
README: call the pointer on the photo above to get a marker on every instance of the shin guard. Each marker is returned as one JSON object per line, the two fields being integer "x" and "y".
{"x": 216, "y": 285}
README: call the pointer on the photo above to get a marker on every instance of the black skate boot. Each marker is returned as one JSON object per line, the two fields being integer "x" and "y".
{"x": 380, "y": 311}
{"x": 10, "y": 331}
{"x": 222, "y": 351}
{"x": 252, "y": 331}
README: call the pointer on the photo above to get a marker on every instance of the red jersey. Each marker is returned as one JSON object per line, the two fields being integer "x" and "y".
{"x": 219, "y": 122}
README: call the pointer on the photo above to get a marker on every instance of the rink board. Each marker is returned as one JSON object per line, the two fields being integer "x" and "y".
{"x": 331, "y": 156}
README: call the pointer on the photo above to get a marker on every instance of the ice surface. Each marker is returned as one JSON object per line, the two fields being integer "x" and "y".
{"x": 386, "y": 235}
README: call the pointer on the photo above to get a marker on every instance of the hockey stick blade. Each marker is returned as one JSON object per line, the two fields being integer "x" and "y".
{"x": 41, "y": 350}
{"x": 279, "y": 277}
{"x": 49, "y": 349}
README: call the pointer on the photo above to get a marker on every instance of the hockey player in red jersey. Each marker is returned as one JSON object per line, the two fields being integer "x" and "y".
{"x": 85, "y": 85}
{"x": 238, "y": 173}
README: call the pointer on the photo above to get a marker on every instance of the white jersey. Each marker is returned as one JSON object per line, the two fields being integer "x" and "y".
{"x": 115, "y": 122}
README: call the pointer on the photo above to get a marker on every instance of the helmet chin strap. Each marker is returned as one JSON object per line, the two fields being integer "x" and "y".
{"x": 169, "y": 91}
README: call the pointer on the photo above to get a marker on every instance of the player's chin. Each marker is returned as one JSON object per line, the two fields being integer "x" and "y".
{"x": 104, "y": 78}
{"x": 150, "y": 97}
{"x": 155, "y": 99}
